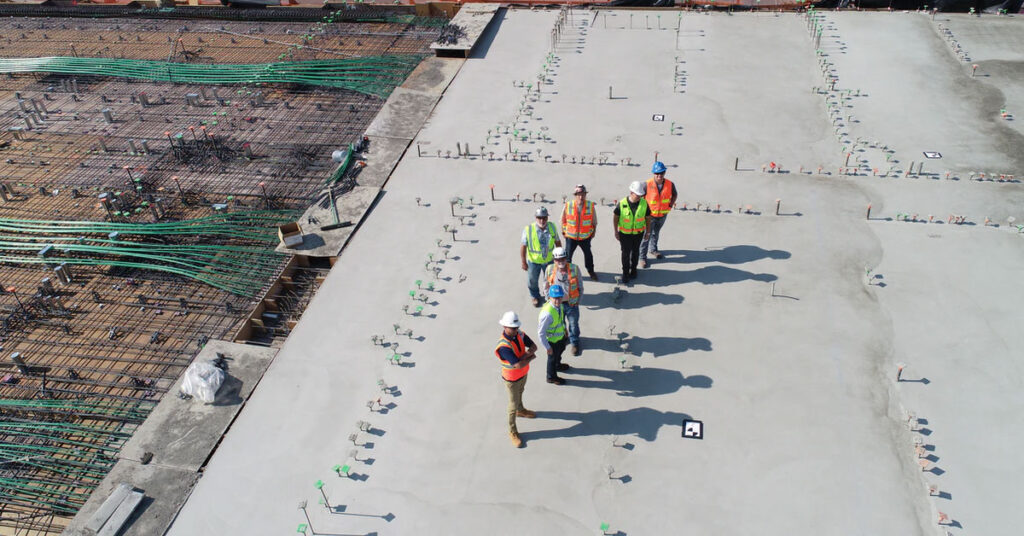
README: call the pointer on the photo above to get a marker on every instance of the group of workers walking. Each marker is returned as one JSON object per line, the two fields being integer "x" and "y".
{"x": 637, "y": 220}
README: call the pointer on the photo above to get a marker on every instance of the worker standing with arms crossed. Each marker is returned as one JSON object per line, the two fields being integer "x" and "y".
{"x": 579, "y": 224}
{"x": 631, "y": 219}
{"x": 567, "y": 274}
{"x": 515, "y": 350}
{"x": 661, "y": 197}
{"x": 538, "y": 241}
{"x": 551, "y": 332}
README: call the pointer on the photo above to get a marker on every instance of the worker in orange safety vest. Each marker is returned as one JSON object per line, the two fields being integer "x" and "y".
{"x": 579, "y": 223}
{"x": 515, "y": 350}
{"x": 661, "y": 197}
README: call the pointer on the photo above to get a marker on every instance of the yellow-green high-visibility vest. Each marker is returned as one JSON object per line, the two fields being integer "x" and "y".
{"x": 535, "y": 253}
{"x": 555, "y": 331}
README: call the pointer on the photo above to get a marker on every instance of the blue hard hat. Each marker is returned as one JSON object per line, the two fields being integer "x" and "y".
{"x": 658, "y": 167}
{"x": 556, "y": 291}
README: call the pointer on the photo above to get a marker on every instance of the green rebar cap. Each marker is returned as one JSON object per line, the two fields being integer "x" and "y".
{"x": 604, "y": 527}
{"x": 319, "y": 484}
{"x": 412, "y": 293}
{"x": 301, "y": 528}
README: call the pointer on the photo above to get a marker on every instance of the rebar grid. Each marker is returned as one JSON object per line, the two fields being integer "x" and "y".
{"x": 98, "y": 353}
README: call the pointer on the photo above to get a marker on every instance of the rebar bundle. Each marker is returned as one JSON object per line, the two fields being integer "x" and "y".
{"x": 53, "y": 453}
{"x": 238, "y": 269}
{"x": 372, "y": 75}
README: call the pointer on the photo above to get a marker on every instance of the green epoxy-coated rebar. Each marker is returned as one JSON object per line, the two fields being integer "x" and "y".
{"x": 67, "y": 446}
{"x": 372, "y": 75}
{"x": 238, "y": 269}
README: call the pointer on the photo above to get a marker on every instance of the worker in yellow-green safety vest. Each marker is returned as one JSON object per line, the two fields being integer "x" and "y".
{"x": 539, "y": 241}
{"x": 551, "y": 332}
{"x": 631, "y": 219}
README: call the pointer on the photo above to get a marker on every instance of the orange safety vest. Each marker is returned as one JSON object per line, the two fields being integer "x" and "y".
{"x": 659, "y": 201}
{"x": 574, "y": 281}
{"x": 630, "y": 223}
{"x": 507, "y": 371}
{"x": 579, "y": 224}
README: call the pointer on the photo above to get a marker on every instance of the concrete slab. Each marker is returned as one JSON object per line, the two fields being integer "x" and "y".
{"x": 403, "y": 114}
{"x": 433, "y": 75}
{"x": 175, "y": 442}
{"x": 473, "y": 19}
{"x": 165, "y": 489}
{"x": 763, "y": 326}
{"x": 196, "y": 428}
{"x": 352, "y": 207}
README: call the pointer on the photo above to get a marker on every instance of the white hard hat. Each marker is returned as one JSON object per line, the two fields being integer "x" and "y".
{"x": 559, "y": 253}
{"x": 510, "y": 320}
{"x": 638, "y": 188}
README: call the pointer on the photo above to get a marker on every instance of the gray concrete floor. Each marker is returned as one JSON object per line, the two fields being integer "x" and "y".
{"x": 806, "y": 424}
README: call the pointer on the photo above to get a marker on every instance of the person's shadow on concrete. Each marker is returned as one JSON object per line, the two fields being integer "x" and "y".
{"x": 708, "y": 275}
{"x": 640, "y": 422}
{"x": 636, "y": 382}
{"x": 655, "y": 346}
{"x": 626, "y": 299}
{"x": 726, "y": 255}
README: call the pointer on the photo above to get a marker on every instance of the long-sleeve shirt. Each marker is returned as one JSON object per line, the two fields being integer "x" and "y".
{"x": 544, "y": 322}
{"x": 561, "y": 278}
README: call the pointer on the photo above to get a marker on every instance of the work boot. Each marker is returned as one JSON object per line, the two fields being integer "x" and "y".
{"x": 516, "y": 441}
{"x": 562, "y": 367}
{"x": 658, "y": 255}
{"x": 632, "y": 273}
{"x": 536, "y": 302}
{"x": 526, "y": 414}
{"x": 593, "y": 275}
{"x": 643, "y": 263}
{"x": 556, "y": 380}
{"x": 625, "y": 276}
{"x": 576, "y": 350}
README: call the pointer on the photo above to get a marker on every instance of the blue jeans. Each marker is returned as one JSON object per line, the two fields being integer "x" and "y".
{"x": 533, "y": 273}
{"x": 651, "y": 244}
{"x": 572, "y": 323}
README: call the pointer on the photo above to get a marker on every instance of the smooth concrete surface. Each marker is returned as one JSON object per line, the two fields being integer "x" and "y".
{"x": 781, "y": 333}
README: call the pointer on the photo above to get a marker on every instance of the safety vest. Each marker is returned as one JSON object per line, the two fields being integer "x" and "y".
{"x": 555, "y": 331}
{"x": 579, "y": 221}
{"x": 630, "y": 223}
{"x": 533, "y": 247}
{"x": 508, "y": 370}
{"x": 574, "y": 281}
{"x": 659, "y": 201}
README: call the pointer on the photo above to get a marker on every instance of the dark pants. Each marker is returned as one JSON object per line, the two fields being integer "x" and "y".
{"x": 584, "y": 244}
{"x": 555, "y": 357}
{"x": 630, "y": 244}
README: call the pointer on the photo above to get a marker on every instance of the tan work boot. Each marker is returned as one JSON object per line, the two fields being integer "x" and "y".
{"x": 516, "y": 442}
{"x": 526, "y": 414}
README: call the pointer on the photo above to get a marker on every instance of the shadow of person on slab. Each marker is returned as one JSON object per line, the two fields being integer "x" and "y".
{"x": 726, "y": 255}
{"x": 626, "y": 299}
{"x": 636, "y": 382}
{"x": 708, "y": 275}
{"x": 644, "y": 423}
{"x": 655, "y": 346}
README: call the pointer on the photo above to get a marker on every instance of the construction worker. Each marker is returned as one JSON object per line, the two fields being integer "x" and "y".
{"x": 539, "y": 240}
{"x": 551, "y": 332}
{"x": 631, "y": 219}
{"x": 567, "y": 274}
{"x": 579, "y": 224}
{"x": 661, "y": 197}
{"x": 515, "y": 350}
